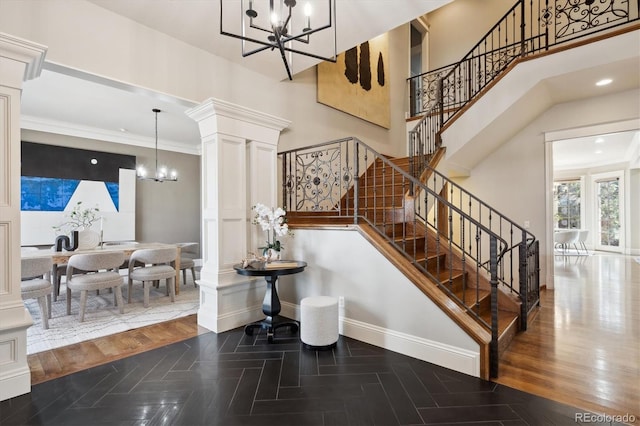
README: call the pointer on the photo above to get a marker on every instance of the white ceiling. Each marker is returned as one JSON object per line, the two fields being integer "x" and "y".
{"x": 596, "y": 150}
{"x": 84, "y": 105}
{"x": 79, "y": 104}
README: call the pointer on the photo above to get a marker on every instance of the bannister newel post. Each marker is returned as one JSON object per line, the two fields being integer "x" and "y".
{"x": 523, "y": 274}
{"x": 284, "y": 182}
{"x": 493, "y": 268}
{"x": 546, "y": 31}
{"x": 412, "y": 170}
{"x": 441, "y": 101}
{"x": 356, "y": 183}
{"x": 522, "y": 29}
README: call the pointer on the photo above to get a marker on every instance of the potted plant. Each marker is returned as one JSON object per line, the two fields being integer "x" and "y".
{"x": 274, "y": 222}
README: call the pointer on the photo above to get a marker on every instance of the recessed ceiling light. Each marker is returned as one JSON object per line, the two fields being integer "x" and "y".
{"x": 94, "y": 161}
{"x": 599, "y": 140}
{"x": 598, "y": 152}
{"x": 604, "y": 82}
{"x": 123, "y": 130}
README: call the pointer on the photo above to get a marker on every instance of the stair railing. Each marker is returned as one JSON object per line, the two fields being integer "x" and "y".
{"x": 467, "y": 247}
{"x": 529, "y": 27}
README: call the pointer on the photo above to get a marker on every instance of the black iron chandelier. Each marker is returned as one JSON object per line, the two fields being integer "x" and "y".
{"x": 281, "y": 25}
{"x": 160, "y": 174}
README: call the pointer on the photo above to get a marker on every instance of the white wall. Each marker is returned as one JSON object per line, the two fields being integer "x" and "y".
{"x": 381, "y": 306}
{"x": 456, "y": 27}
{"x": 82, "y": 35}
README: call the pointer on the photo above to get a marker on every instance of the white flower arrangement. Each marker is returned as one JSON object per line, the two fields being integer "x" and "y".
{"x": 273, "y": 221}
{"x": 78, "y": 218}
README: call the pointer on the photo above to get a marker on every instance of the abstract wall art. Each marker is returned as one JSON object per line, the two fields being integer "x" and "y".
{"x": 358, "y": 83}
{"x": 55, "y": 178}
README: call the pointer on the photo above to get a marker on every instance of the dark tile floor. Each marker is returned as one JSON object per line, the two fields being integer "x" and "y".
{"x": 234, "y": 379}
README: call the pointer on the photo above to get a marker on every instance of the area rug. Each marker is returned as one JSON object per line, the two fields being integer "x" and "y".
{"x": 102, "y": 318}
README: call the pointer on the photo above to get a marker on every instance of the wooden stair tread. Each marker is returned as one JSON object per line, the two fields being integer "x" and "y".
{"x": 469, "y": 295}
{"x": 505, "y": 320}
{"x": 444, "y": 276}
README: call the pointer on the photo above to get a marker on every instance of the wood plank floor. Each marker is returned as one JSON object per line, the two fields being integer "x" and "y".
{"x": 62, "y": 361}
{"x": 583, "y": 348}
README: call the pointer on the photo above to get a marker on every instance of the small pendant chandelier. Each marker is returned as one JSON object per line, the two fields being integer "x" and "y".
{"x": 161, "y": 174}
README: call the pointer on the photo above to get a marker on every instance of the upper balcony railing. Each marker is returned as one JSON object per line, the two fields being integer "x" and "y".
{"x": 529, "y": 27}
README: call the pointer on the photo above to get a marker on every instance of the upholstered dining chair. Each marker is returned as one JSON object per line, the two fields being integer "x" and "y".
{"x": 107, "y": 265}
{"x": 36, "y": 284}
{"x": 158, "y": 266}
{"x": 188, "y": 254}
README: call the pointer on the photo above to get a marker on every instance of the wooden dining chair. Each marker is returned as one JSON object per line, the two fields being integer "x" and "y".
{"x": 158, "y": 265}
{"x": 107, "y": 276}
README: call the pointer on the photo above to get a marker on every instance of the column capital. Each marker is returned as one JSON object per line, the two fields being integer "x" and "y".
{"x": 29, "y": 53}
{"x": 218, "y": 116}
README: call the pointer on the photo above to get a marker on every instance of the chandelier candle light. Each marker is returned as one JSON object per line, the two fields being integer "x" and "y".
{"x": 273, "y": 221}
{"x": 160, "y": 174}
{"x": 276, "y": 24}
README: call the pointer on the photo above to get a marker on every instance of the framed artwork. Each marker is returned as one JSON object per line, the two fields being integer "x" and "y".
{"x": 55, "y": 178}
{"x": 358, "y": 83}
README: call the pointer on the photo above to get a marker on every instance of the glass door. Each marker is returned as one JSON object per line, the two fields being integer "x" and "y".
{"x": 567, "y": 204}
{"x": 609, "y": 208}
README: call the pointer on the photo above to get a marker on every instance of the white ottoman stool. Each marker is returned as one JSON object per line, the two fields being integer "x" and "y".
{"x": 319, "y": 322}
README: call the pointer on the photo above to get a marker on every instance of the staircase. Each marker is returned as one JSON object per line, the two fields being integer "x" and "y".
{"x": 481, "y": 260}
{"x": 447, "y": 269}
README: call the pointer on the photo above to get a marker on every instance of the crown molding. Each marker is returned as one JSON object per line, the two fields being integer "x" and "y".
{"x": 71, "y": 129}
{"x": 30, "y": 53}
{"x": 213, "y": 106}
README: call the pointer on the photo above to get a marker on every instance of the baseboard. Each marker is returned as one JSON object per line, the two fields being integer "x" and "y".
{"x": 17, "y": 383}
{"x": 15, "y": 376}
{"x": 458, "y": 359}
{"x": 225, "y": 307}
{"x": 239, "y": 318}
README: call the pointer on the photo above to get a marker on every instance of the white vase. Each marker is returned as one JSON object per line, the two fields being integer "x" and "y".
{"x": 88, "y": 239}
{"x": 271, "y": 254}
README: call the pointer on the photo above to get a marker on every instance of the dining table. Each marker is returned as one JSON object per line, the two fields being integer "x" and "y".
{"x": 62, "y": 257}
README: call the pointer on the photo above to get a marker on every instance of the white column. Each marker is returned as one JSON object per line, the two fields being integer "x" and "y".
{"x": 20, "y": 60}
{"x": 239, "y": 169}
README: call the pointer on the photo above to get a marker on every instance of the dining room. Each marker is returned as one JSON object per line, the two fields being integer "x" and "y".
{"x": 90, "y": 186}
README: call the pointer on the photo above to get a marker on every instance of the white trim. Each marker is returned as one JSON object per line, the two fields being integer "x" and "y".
{"x": 596, "y": 129}
{"x": 458, "y": 359}
{"x": 623, "y": 202}
{"x": 73, "y": 129}
{"x": 25, "y": 51}
{"x": 15, "y": 383}
{"x": 548, "y": 202}
{"x": 230, "y": 320}
{"x": 214, "y": 106}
